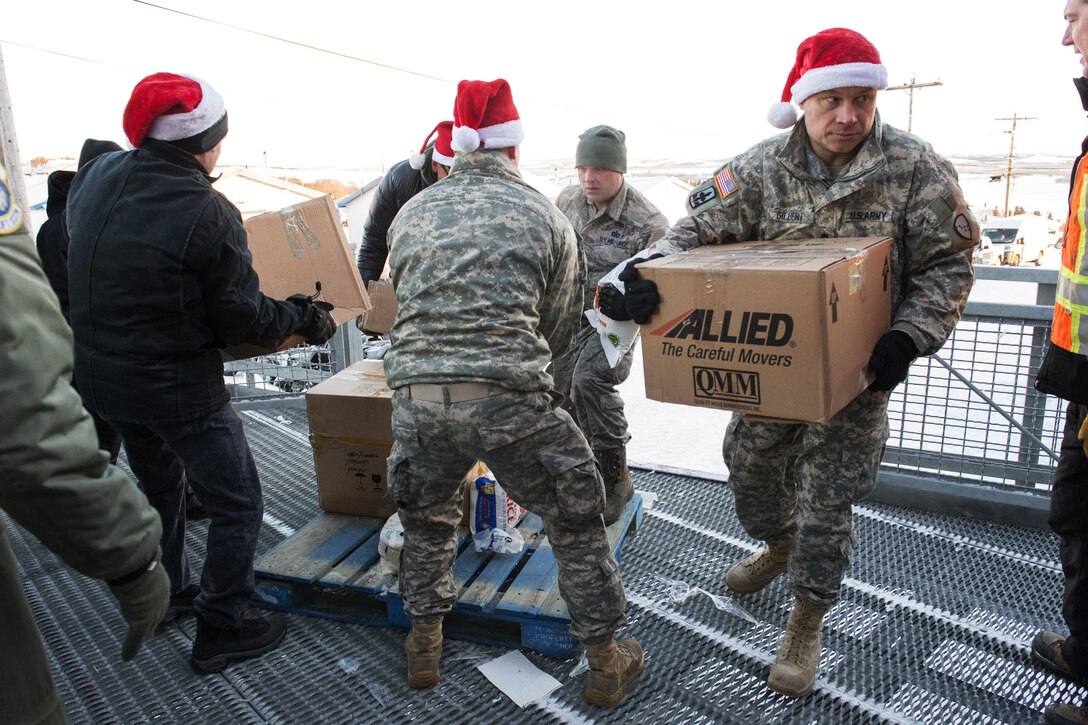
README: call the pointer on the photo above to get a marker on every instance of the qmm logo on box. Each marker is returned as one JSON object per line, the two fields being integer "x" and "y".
{"x": 735, "y": 386}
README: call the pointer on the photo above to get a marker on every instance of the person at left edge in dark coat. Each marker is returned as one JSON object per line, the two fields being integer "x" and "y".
{"x": 160, "y": 279}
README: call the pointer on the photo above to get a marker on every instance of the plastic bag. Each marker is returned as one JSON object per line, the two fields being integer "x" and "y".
{"x": 390, "y": 543}
{"x": 617, "y": 336}
{"x": 494, "y": 515}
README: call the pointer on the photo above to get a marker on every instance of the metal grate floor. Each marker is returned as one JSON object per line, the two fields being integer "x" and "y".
{"x": 933, "y": 626}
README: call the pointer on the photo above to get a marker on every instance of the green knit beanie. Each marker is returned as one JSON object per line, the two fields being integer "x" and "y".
{"x": 603, "y": 147}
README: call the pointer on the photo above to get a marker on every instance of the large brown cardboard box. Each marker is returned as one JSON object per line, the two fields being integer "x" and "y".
{"x": 302, "y": 249}
{"x": 383, "y": 300}
{"x": 778, "y": 329}
{"x": 351, "y": 433}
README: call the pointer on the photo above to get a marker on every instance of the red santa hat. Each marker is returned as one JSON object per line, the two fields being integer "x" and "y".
{"x": 833, "y": 58}
{"x": 484, "y": 116}
{"x": 181, "y": 109}
{"x": 442, "y": 153}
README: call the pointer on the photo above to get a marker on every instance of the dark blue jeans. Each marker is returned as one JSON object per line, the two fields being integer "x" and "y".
{"x": 214, "y": 451}
{"x": 1069, "y": 519}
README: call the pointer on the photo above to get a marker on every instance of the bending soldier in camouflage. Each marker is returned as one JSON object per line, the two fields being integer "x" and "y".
{"x": 840, "y": 173}
{"x": 613, "y": 222}
{"x": 485, "y": 270}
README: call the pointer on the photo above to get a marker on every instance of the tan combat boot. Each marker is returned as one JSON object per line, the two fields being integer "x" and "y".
{"x": 794, "y": 670}
{"x": 613, "y": 666}
{"x": 750, "y": 575}
{"x": 423, "y": 647}
{"x": 618, "y": 488}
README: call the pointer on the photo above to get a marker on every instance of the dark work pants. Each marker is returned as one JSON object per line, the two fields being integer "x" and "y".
{"x": 213, "y": 451}
{"x": 1069, "y": 519}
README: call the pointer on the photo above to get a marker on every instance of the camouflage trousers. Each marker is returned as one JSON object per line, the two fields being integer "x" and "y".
{"x": 583, "y": 377}
{"x": 543, "y": 462}
{"x": 796, "y": 481}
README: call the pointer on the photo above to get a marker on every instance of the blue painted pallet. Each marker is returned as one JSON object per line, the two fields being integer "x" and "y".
{"x": 330, "y": 568}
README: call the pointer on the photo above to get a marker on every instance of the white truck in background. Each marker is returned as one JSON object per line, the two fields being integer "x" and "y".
{"x": 1017, "y": 239}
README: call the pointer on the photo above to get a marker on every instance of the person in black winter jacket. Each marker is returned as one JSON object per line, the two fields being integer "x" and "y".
{"x": 160, "y": 279}
{"x": 52, "y": 243}
{"x": 403, "y": 181}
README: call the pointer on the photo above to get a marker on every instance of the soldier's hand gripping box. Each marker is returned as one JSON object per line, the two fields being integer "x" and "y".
{"x": 779, "y": 329}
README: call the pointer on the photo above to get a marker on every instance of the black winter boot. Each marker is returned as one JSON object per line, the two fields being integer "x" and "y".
{"x": 215, "y": 647}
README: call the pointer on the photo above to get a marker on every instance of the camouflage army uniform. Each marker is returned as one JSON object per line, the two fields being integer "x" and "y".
{"x": 796, "y": 481}
{"x": 486, "y": 274}
{"x": 628, "y": 225}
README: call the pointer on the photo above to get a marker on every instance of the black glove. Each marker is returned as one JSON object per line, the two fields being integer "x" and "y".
{"x": 317, "y": 324}
{"x": 641, "y": 294}
{"x": 611, "y": 302}
{"x": 891, "y": 359}
{"x": 143, "y": 596}
{"x": 630, "y": 273}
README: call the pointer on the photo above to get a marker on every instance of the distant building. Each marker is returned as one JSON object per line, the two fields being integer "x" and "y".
{"x": 354, "y": 209}
{"x": 255, "y": 193}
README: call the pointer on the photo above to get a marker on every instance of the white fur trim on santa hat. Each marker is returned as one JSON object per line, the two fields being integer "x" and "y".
{"x": 845, "y": 75}
{"x": 502, "y": 135}
{"x": 176, "y": 126}
{"x": 441, "y": 158}
{"x": 416, "y": 161}
{"x": 783, "y": 115}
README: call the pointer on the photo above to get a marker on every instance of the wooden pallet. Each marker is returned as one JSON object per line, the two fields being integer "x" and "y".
{"x": 330, "y": 568}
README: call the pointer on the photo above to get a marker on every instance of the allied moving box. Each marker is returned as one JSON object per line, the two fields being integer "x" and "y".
{"x": 302, "y": 249}
{"x": 351, "y": 432}
{"x": 379, "y": 318}
{"x": 778, "y": 329}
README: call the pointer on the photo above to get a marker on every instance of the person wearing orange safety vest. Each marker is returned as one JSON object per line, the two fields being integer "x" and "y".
{"x": 1064, "y": 373}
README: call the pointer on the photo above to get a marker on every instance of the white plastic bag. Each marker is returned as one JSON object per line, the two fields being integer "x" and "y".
{"x": 494, "y": 515}
{"x": 390, "y": 543}
{"x": 617, "y": 336}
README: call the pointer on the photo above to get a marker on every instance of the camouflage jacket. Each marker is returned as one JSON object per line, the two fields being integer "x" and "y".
{"x": 486, "y": 274}
{"x": 628, "y": 225}
{"x": 897, "y": 186}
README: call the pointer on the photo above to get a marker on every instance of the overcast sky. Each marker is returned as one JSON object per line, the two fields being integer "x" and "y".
{"x": 685, "y": 80}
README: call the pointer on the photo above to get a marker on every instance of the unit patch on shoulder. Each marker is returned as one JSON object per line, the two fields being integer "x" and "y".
{"x": 962, "y": 225}
{"x": 701, "y": 196}
{"x": 11, "y": 216}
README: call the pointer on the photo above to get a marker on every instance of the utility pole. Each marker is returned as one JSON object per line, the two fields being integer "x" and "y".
{"x": 1012, "y": 145}
{"x": 9, "y": 147}
{"x": 909, "y": 88}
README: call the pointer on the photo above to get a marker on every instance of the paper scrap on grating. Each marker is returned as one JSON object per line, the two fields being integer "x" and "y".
{"x": 649, "y": 498}
{"x": 519, "y": 679}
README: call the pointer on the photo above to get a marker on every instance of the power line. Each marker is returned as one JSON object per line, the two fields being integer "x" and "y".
{"x": 1012, "y": 146}
{"x": 317, "y": 48}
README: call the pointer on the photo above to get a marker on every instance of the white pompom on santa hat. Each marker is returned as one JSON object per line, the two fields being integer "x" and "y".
{"x": 833, "y": 58}
{"x": 484, "y": 116}
{"x": 181, "y": 109}
{"x": 442, "y": 153}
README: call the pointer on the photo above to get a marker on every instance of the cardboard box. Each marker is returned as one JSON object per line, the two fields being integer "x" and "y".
{"x": 302, "y": 249}
{"x": 351, "y": 433}
{"x": 778, "y": 329}
{"x": 379, "y": 318}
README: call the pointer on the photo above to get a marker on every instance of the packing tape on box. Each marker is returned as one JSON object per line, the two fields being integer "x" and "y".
{"x": 324, "y": 443}
{"x": 299, "y": 233}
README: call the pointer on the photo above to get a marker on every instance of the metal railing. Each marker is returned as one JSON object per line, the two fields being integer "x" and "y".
{"x": 969, "y": 432}
{"x": 281, "y": 377}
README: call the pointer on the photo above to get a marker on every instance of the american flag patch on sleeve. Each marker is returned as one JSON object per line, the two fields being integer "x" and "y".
{"x": 726, "y": 182}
